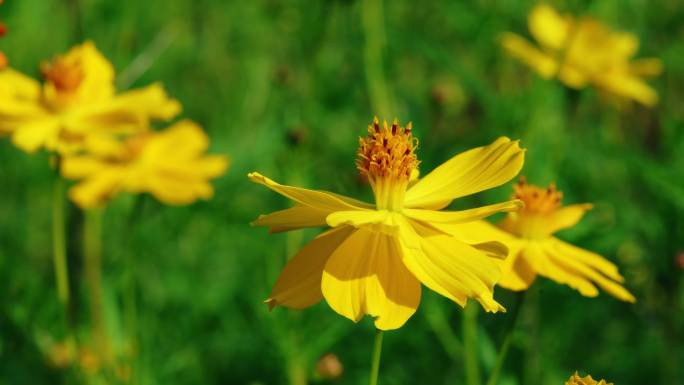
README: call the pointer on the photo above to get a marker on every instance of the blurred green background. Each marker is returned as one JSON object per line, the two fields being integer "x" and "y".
{"x": 283, "y": 88}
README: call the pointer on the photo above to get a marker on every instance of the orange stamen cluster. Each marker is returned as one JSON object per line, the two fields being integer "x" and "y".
{"x": 65, "y": 76}
{"x": 537, "y": 199}
{"x": 388, "y": 152}
{"x": 3, "y": 58}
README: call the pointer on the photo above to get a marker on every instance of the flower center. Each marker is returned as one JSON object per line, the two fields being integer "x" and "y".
{"x": 537, "y": 200}
{"x": 387, "y": 157}
{"x": 64, "y": 75}
{"x": 530, "y": 221}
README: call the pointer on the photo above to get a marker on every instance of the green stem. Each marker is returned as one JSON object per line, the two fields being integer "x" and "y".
{"x": 373, "y": 28}
{"x": 375, "y": 363}
{"x": 472, "y": 367}
{"x": 59, "y": 244}
{"x": 505, "y": 346}
{"x": 92, "y": 252}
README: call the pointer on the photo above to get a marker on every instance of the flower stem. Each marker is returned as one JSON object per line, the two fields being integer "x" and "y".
{"x": 472, "y": 368}
{"x": 59, "y": 244}
{"x": 373, "y": 28}
{"x": 505, "y": 346}
{"x": 375, "y": 363}
{"x": 92, "y": 252}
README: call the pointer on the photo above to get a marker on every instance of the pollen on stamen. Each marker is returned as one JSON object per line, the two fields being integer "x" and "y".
{"x": 537, "y": 199}
{"x": 388, "y": 151}
{"x": 65, "y": 76}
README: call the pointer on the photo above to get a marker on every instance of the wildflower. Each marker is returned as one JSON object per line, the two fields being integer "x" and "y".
{"x": 329, "y": 367}
{"x": 575, "y": 379}
{"x": 77, "y": 105}
{"x": 581, "y": 52}
{"x": 374, "y": 258}
{"x": 169, "y": 164}
{"x": 528, "y": 234}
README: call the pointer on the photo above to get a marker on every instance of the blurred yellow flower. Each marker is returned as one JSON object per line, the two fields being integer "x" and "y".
{"x": 170, "y": 164}
{"x": 528, "y": 234}
{"x": 375, "y": 257}
{"x": 583, "y": 52}
{"x": 77, "y": 105}
{"x": 575, "y": 379}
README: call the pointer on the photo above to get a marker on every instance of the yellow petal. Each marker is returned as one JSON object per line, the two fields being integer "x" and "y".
{"x": 365, "y": 275}
{"x": 34, "y": 135}
{"x": 480, "y": 231}
{"x": 566, "y": 217}
{"x": 99, "y": 188}
{"x": 294, "y": 218}
{"x": 175, "y": 191}
{"x": 590, "y": 266}
{"x": 548, "y": 27}
{"x": 535, "y": 255}
{"x": 629, "y": 86}
{"x": 492, "y": 249}
{"x": 516, "y": 272}
{"x": 519, "y": 48}
{"x": 451, "y": 268}
{"x": 356, "y": 218}
{"x": 17, "y": 86}
{"x": 467, "y": 173}
{"x": 588, "y": 258}
{"x": 299, "y": 284}
{"x": 454, "y": 217}
{"x": 78, "y": 167}
{"x": 321, "y": 200}
{"x": 148, "y": 102}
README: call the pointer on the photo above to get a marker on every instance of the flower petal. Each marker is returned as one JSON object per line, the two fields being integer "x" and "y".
{"x": 321, "y": 200}
{"x": 299, "y": 284}
{"x": 356, "y": 218}
{"x": 548, "y": 27}
{"x": 472, "y": 171}
{"x": 516, "y": 272}
{"x": 566, "y": 255}
{"x": 294, "y": 218}
{"x": 629, "y": 86}
{"x": 451, "y": 268}
{"x": 454, "y": 217}
{"x": 98, "y": 188}
{"x": 519, "y": 48}
{"x": 566, "y": 217}
{"x": 536, "y": 256}
{"x": 34, "y": 135}
{"x": 365, "y": 275}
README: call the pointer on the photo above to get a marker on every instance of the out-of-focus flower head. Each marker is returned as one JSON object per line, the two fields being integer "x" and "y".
{"x": 575, "y": 379}
{"x": 329, "y": 367}
{"x": 534, "y": 250}
{"x": 582, "y": 52}
{"x": 76, "y": 105}
{"x": 374, "y": 257}
{"x": 3, "y": 31}
{"x": 170, "y": 164}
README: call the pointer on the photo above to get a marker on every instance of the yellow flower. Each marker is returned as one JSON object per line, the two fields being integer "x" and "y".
{"x": 375, "y": 257}
{"x": 575, "y": 379}
{"x": 584, "y": 51}
{"x": 528, "y": 234}
{"x": 77, "y": 104}
{"x": 169, "y": 164}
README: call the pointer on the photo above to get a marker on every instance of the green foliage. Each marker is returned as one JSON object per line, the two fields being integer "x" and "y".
{"x": 280, "y": 86}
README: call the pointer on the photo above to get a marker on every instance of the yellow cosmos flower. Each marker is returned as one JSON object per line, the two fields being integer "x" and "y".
{"x": 583, "y": 51}
{"x": 169, "y": 164}
{"x": 77, "y": 104}
{"x": 528, "y": 234}
{"x": 374, "y": 258}
{"x": 575, "y": 379}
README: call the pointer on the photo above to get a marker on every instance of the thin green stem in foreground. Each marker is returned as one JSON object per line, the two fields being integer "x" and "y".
{"x": 372, "y": 19}
{"x": 92, "y": 252}
{"x": 59, "y": 244}
{"x": 375, "y": 363}
{"x": 508, "y": 338}
{"x": 472, "y": 367}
